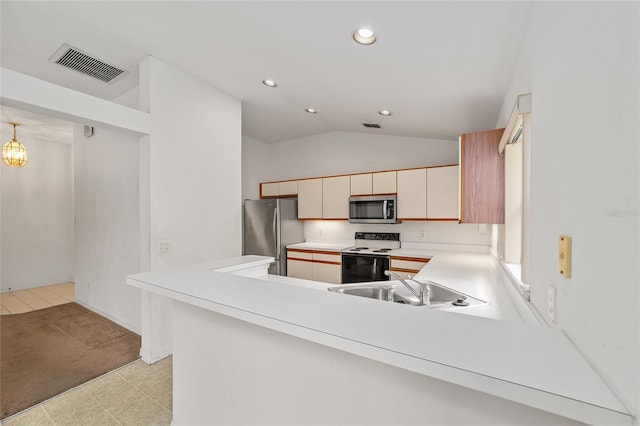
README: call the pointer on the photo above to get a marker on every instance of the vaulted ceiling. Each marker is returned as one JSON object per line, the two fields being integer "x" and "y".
{"x": 441, "y": 68}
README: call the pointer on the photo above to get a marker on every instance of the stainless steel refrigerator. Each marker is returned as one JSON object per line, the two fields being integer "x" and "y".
{"x": 269, "y": 226}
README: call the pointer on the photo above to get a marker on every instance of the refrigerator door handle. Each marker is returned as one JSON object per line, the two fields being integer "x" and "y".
{"x": 276, "y": 234}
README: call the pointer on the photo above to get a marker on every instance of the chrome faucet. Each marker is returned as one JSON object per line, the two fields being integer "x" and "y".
{"x": 422, "y": 295}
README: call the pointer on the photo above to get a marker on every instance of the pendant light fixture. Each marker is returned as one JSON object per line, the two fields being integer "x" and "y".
{"x": 13, "y": 152}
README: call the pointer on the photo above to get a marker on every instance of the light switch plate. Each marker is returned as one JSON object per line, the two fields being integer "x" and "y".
{"x": 564, "y": 256}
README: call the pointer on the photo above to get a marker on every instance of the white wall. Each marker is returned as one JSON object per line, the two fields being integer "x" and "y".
{"x": 580, "y": 62}
{"x": 195, "y": 167}
{"x": 107, "y": 224}
{"x": 37, "y": 217}
{"x": 256, "y": 166}
{"x": 436, "y": 232}
{"x": 191, "y": 191}
{"x": 343, "y": 152}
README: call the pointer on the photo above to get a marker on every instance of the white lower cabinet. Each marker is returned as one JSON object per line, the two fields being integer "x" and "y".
{"x": 327, "y": 273}
{"x": 300, "y": 269}
{"x": 312, "y": 265}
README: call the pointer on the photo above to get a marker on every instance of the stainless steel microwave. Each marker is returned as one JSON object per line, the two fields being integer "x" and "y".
{"x": 373, "y": 209}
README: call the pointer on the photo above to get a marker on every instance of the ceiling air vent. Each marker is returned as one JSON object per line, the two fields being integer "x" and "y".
{"x": 371, "y": 125}
{"x": 77, "y": 60}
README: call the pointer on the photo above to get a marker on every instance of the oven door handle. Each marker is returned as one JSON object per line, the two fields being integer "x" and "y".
{"x": 384, "y": 209}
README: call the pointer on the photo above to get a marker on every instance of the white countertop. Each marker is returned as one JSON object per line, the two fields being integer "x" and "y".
{"x": 533, "y": 365}
{"x": 337, "y": 247}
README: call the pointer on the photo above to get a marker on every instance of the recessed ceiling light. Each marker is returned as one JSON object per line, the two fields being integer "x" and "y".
{"x": 364, "y": 36}
{"x": 385, "y": 112}
{"x": 311, "y": 111}
{"x": 270, "y": 83}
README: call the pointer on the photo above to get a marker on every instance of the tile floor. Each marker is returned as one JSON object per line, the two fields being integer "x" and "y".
{"x": 136, "y": 394}
{"x": 21, "y": 301}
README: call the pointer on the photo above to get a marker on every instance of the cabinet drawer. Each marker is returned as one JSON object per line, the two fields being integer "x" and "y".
{"x": 299, "y": 254}
{"x": 409, "y": 264}
{"x": 327, "y": 257}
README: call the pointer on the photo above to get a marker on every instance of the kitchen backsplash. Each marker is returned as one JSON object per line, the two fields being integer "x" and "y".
{"x": 424, "y": 232}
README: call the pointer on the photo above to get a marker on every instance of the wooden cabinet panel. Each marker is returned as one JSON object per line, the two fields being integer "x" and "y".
{"x": 482, "y": 186}
{"x": 412, "y": 194}
{"x": 289, "y": 187}
{"x": 300, "y": 269}
{"x": 335, "y": 197}
{"x": 443, "y": 197}
{"x": 270, "y": 189}
{"x": 361, "y": 184}
{"x": 384, "y": 182}
{"x": 310, "y": 199}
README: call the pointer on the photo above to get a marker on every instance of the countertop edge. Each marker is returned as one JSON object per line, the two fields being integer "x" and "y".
{"x": 554, "y": 403}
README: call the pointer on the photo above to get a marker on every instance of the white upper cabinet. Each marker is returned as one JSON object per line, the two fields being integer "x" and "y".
{"x": 287, "y": 188}
{"x": 412, "y": 194}
{"x": 374, "y": 183}
{"x": 361, "y": 184}
{"x": 335, "y": 197}
{"x": 384, "y": 182}
{"x": 427, "y": 193}
{"x": 310, "y": 199}
{"x": 270, "y": 189}
{"x": 442, "y": 192}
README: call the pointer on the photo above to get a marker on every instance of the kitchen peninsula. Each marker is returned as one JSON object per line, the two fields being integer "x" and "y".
{"x": 254, "y": 348}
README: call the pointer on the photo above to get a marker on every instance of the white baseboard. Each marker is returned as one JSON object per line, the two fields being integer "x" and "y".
{"x": 151, "y": 358}
{"x": 107, "y": 315}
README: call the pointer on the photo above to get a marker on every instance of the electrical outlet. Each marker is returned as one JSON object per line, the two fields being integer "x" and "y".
{"x": 551, "y": 303}
{"x": 423, "y": 235}
{"x": 164, "y": 245}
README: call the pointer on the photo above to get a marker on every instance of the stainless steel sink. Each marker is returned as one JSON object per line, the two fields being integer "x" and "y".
{"x": 392, "y": 291}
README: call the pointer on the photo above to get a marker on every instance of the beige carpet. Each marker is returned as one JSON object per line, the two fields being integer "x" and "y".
{"x": 44, "y": 353}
